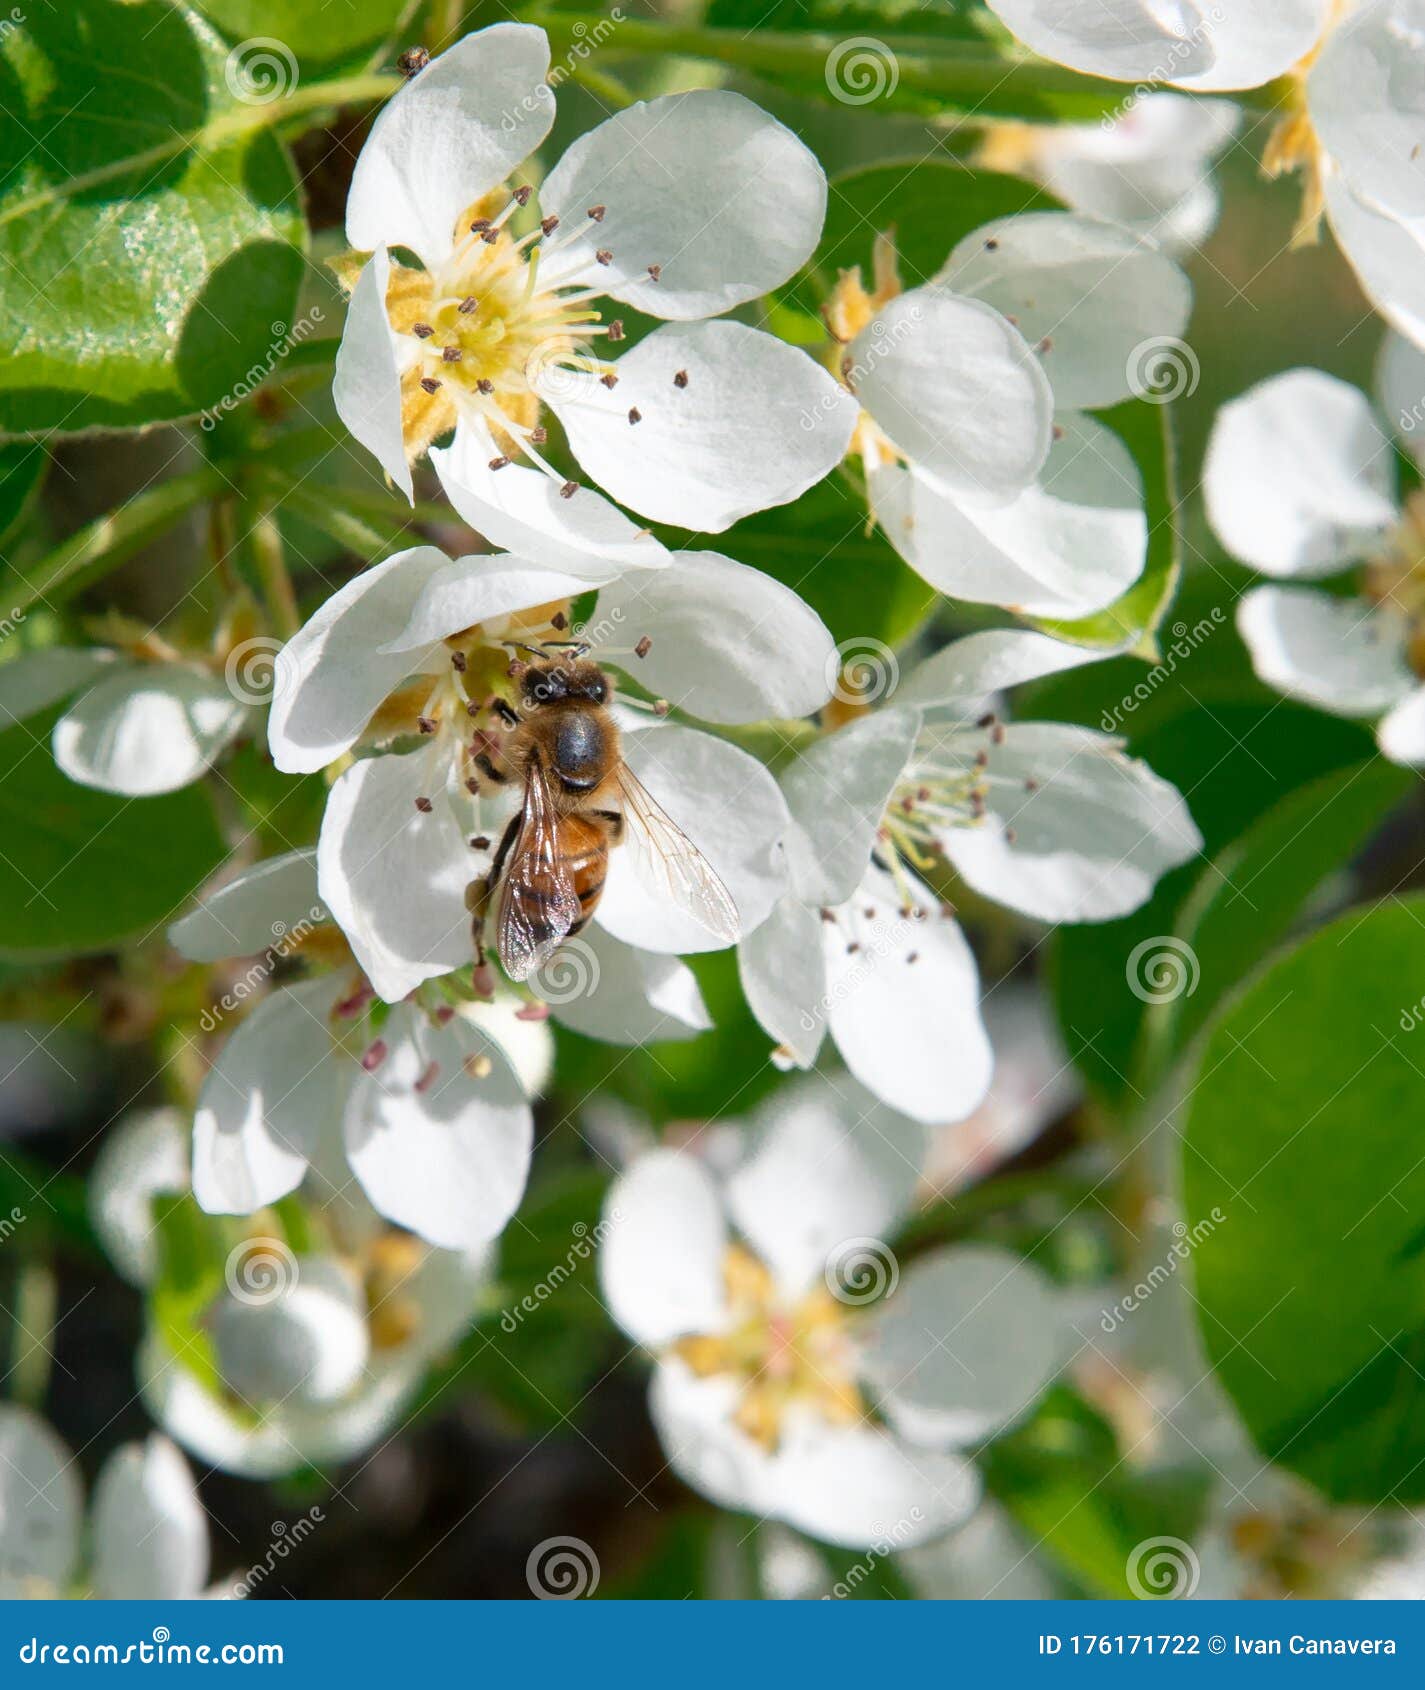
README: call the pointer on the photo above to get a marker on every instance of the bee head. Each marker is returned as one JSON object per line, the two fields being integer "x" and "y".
{"x": 564, "y": 681}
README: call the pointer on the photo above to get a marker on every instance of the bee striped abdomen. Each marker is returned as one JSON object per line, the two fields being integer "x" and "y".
{"x": 584, "y": 851}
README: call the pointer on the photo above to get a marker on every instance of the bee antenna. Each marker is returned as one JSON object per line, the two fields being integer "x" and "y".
{"x": 521, "y": 645}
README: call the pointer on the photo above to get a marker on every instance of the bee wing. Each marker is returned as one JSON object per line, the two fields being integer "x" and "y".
{"x": 538, "y": 904}
{"x": 672, "y": 861}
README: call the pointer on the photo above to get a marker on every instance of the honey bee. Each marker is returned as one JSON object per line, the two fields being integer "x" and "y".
{"x": 580, "y": 800}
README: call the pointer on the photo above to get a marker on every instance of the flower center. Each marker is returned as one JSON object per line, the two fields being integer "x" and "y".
{"x": 848, "y": 311}
{"x": 1296, "y": 1550}
{"x": 1395, "y": 577}
{"x": 490, "y": 330}
{"x": 783, "y": 1356}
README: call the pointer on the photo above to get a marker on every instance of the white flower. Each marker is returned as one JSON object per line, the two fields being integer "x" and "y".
{"x": 137, "y": 727}
{"x": 147, "y": 1535}
{"x": 1053, "y": 821}
{"x": 1351, "y": 117}
{"x": 780, "y": 1387}
{"x": 299, "y": 1357}
{"x": 681, "y": 207}
{"x": 1300, "y": 483}
{"x": 981, "y": 467}
{"x": 1147, "y": 168}
{"x": 416, "y": 647}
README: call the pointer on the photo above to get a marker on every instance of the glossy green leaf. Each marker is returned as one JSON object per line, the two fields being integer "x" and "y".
{"x": 152, "y": 244}
{"x": 310, "y": 31}
{"x": 81, "y": 869}
{"x": 1299, "y": 1129}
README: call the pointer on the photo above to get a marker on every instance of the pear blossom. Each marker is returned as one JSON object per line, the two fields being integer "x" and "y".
{"x": 1349, "y": 119}
{"x": 146, "y": 1536}
{"x": 1300, "y": 484}
{"x": 300, "y": 1357}
{"x": 681, "y": 207}
{"x": 1051, "y": 820}
{"x": 138, "y": 725}
{"x": 799, "y": 1374}
{"x": 1147, "y": 168}
{"x": 982, "y": 468}
{"x": 413, "y": 660}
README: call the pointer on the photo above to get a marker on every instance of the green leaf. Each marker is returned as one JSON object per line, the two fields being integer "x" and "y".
{"x": 22, "y": 469}
{"x": 316, "y": 33}
{"x": 1232, "y": 761}
{"x": 1132, "y": 620}
{"x": 81, "y": 869}
{"x": 1310, "y": 1278}
{"x": 1245, "y": 903}
{"x": 152, "y": 257}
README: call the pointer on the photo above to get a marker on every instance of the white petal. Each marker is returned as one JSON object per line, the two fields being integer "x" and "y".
{"x": 756, "y": 425}
{"x": 334, "y": 671}
{"x": 265, "y": 1101}
{"x": 150, "y": 1532}
{"x": 528, "y": 1044}
{"x": 258, "y": 908}
{"x": 1387, "y": 254}
{"x": 303, "y": 1339}
{"x": 148, "y": 728}
{"x": 436, "y": 1149}
{"x": 730, "y": 644}
{"x": 41, "y": 1508}
{"x": 1068, "y": 545}
{"x": 961, "y": 675}
{"x": 451, "y": 134}
{"x": 704, "y": 184}
{"x": 783, "y": 975}
{"x": 487, "y": 589}
{"x": 1298, "y": 476}
{"x": 909, "y": 1031}
{"x": 1400, "y": 385}
{"x": 1345, "y": 655}
{"x": 662, "y": 1251}
{"x": 394, "y": 875}
{"x": 1402, "y": 733}
{"x": 33, "y": 680}
{"x": 1210, "y": 45}
{"x": 1088, "y": 297}
{"x": 608, "y": 990}
{"x": 1364, "y": 94}
{"x": 366, "y": 382}
{"x": 862, "y": 1487}
{"x": 144, "y": 1156}
{"x": 522, "y": 510}
{"x": 964, "y": 1346}
{"x": 732, "y": 810}
{"x": 1091, "y": 838}
{"x": 693, "y": 1419}
{"x": 957, "y": 389}
{"x": 824, "y": 1174}
{"x": 837, "y": 791}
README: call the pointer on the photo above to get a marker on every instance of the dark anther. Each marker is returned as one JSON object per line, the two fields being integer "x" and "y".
{"x": 634, "y": 414}
{"x": 654, "y": 272}
{"x": 430, "y": 384}
{"x": 548, "y": 224}
{"x": 412, "y": 62}
{"x": 498, "y": 463}
{"x": 424, "y": 805}
{"x": 422, "y": 331}
{"x": 468, "y": 304}
{"x": 644, "y": 646}
{"x": 604, "y": 256}
{"x": 538, "y": 436}
{"x": 616, "y": 330}
{"x": 451, "y": 354}
{"x": 681, "y": 379}
{"x": 458, "y": 661}
{"x": 569, "y": 489}
{"x": 480, "y": 843}
{"x": 426, "y": 724}
{"x": 559, "y": 621}
{"x": 485, "y": 385}
{"x": 597, "y": 212}
{"x": 522, "y": 195}
{"x": 610, "y": 381}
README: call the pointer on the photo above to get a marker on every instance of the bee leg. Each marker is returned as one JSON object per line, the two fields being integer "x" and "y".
{"x": 490, "y": 772}
{"x": 479, "y": 893}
